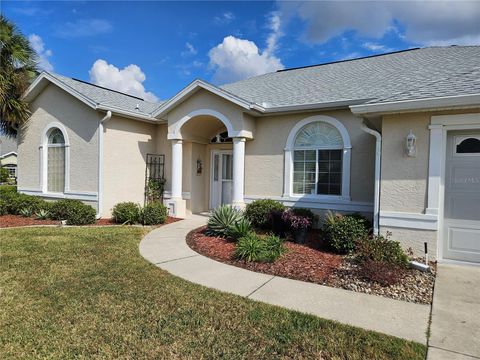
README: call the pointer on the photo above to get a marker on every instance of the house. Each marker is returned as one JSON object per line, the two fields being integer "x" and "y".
{"x": 395, "y": 137}
{"x": 8, "y": 155}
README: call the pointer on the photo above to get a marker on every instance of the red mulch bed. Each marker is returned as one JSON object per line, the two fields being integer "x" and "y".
{"x": 301, "y": 262}
{"x": 17, "y": 220}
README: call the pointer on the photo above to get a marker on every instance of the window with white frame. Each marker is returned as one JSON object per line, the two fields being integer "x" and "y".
{"x": 318, "y": 159}
{"x": 55, "y": 161}
{"x": 12, "y": 170}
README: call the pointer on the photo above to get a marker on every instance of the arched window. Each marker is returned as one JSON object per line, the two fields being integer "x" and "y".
{"x": 221, "y": 138}
{"x": 55, "y": 161}
{"x": 318, "y": 159}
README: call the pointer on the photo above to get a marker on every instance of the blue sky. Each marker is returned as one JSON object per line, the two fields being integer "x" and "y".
{"x": 153, "y": 49}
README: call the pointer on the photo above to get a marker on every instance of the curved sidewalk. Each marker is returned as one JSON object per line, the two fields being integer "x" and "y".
{"x": 166, "y": 248}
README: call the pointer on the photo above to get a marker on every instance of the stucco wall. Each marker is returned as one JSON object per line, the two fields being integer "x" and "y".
{"x": 81, "y": 123}
{"x": 264, "y": 162}
{"x": 404, "y": 179}
{"x": 126, "y": 144}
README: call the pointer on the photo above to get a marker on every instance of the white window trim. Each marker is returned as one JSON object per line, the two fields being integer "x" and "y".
{"x": 44, "y": 157}
{"x": 290, "y": 147}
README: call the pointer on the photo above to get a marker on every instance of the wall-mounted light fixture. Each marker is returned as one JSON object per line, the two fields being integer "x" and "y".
{"x": 411, "y": 144}
{"x": 199, "y": 167}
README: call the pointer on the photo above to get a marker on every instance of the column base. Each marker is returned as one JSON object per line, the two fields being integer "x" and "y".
{"x": 177, "y": 207}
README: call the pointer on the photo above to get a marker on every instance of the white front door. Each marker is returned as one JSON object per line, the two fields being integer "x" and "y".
{"x": 221, "y": 179}
{"x": 461, "y": 224}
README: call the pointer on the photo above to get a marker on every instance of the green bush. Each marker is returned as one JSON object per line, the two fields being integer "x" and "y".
{"x": 126, "y": 213}
{"x": 74, "y": 212}
{"x": 221, "y": 220}
{"x": 7, "y": 189}
{"x": 4, "y": 175}
{"x": 3, "y": 207}
{"x": 17, "y": 201}
{"x": 257, "y": 249}
{"x": 239, "y": 229}
{"x": 154, "y": 213}
{"x": 258, "y": 212}
{"x": 342, "y": 231}
{"x": 381, "y": 249}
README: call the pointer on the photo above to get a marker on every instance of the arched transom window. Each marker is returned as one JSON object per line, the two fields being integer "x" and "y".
{"x": 319, "y": 153}
{"x": 55, "y": 161}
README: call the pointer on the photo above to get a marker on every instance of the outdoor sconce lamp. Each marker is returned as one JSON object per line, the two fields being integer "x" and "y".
{"x": 411, "y": 144}
{"x": 199, "y": 167}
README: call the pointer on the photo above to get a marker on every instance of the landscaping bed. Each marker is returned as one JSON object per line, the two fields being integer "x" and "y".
{"x": 7, "y": 221}
{"x": 312, "y": 263}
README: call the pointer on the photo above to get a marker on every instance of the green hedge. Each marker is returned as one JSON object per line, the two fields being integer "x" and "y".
{"x": 343, "y": 231}
{"x": 259, "y": 212}
{"x": 126, "y": 213}
{"x": 74, "y": 212}
{"x": 154, "y": 213}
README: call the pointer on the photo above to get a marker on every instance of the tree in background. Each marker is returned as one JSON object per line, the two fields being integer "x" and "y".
{"x": 17, "y": 69}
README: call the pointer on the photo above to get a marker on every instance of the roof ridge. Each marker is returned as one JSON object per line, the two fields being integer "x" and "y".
{"x": 349, "y": 60}
{"x": 108, "y": 89}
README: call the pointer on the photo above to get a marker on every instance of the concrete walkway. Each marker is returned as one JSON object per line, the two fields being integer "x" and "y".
{"x": 166, "y": 248}
{"x": 455, "y": 324}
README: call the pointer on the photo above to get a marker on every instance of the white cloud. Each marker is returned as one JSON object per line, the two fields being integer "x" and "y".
{"x": 235, "y": 59}
{"x": 224, "y": 18}
{"x": 38, "y": 45}
{"x": 189, "y": 50}
{"x": 425, "y": 22}
{"x": 83, "y": 28}
{"x": 127, "y": 80}
{"x": 376, "y": 47}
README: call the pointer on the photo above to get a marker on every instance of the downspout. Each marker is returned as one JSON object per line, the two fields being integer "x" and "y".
{"x": 378, "y": 157}
{"x": 107, "y": 117}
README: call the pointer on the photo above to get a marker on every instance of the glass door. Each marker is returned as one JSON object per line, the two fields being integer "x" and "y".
{"x": 221, "y": 178}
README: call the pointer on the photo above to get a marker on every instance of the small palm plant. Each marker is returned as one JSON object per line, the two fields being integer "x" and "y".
{"x": 221, "y": 220}
{"x": 26, "y": 212}
{"x": 42, "y": 214}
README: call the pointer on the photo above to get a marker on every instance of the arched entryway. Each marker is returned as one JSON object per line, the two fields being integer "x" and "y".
{"x": 208, "y": 160}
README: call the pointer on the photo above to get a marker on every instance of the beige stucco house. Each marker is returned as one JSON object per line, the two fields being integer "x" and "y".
{"x": 395, "y": 137}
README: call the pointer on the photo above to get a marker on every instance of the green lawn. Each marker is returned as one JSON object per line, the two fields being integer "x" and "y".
{"x": 87, "y": 293}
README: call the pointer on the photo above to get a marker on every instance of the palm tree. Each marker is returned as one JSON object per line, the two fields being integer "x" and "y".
{"x": 17, "y": 69}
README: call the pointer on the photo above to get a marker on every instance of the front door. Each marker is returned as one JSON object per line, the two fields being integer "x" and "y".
{"x": 221, "y": 178}
{"x": 461, "y": 225}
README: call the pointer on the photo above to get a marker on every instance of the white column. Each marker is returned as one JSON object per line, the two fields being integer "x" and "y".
{"x": 177, "y": 157}
{"x": 434, "y": 169}
{"x": 238, "y": 172}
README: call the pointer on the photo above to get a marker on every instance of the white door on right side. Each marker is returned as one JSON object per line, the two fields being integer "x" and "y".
{"x": 461, "y": 223}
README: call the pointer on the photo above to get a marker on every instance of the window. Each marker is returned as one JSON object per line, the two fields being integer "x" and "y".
{"x": 12, "y": 170}
{"x": 318, "y": 158}
{"x": 221, "y": 138}
{"x": 56, "y": 161}
{"x": 467, "y": 145}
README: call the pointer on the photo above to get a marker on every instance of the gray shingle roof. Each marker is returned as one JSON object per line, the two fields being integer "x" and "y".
{"x": 107, "y": 97}
{"x": 412, "y": 74}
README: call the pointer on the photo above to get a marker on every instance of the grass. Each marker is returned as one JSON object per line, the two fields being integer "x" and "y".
{"x": 87, "y": 293}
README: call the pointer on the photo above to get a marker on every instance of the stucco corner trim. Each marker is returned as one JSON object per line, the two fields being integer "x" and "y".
{"x": 409, "y": 220}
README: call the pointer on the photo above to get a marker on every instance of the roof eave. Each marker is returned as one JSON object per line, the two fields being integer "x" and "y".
{"x": 434, "y": 103}
{"x": 192, "y": 88}
{"x": 309, "y": 107}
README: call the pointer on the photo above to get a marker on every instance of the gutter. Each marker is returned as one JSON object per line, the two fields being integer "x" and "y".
{"x": 436, "y": 103}
{"x": 310, "y": 106}
{"x": 107, "y": 117}
{"x": 378, "y": 158}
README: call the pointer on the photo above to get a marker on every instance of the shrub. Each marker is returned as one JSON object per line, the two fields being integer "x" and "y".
{"x": 380, "y": 248}
{"x": 254, "y": 248}
{"x": 126, "y": 213}
{"x": 17, "y": 201}
{"x": 258, "y": 212}
{"x": 221, "y": 220}
{"x": 42, "y": 214}
{"x": 154, "y": 213}
{"x": 240, "y": 228}
{"x": 296, "y": 222}
{"x": 342, "y": 231}
{"x": 381, "y": 272}
{"x": 4, "y": 175}
{"x": 307, "y": 213}
{"x": 73, "y": 211}
{"x": 7, "y": 189}
{"x": 3, "y": 207}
